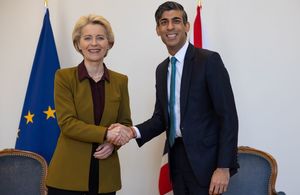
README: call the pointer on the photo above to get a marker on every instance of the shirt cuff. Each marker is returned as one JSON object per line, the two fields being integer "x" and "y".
{"x": 137, "y": 132}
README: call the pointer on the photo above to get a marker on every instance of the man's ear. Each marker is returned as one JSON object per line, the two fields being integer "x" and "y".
{"x": 157, "y": 31}
{"x": 187, "y": 27}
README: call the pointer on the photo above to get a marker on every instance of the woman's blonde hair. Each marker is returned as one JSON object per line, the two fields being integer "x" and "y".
{"x": 91, "y": 19}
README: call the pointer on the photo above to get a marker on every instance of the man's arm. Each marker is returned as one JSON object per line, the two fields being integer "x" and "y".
{"x": 222, "y": 97}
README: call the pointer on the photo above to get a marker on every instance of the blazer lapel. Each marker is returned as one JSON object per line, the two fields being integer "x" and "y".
{"x": 84, "y": 101}
{"x": 186, "y": 79}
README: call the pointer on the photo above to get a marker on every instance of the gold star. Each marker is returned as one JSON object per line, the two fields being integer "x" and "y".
{"x": 50, "y": 113}
{"x": 29, "y": 117}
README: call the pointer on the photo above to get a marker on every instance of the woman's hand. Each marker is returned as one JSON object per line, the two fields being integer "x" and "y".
{"x": 104, "y": 150}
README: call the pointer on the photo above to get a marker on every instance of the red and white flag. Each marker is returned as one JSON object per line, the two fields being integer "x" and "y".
{"x": 164, "y": 183}
{"x": 198, "y": 28}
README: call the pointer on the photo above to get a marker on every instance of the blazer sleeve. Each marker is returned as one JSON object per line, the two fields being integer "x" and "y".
{"x": 223, "y": 101}
{"x": 66, "y": 112}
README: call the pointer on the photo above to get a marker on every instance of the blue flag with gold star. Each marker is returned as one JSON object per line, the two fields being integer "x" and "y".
{"x": 38, "y": 129}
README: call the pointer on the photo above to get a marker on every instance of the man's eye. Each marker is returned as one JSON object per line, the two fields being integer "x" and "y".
{"x": 177, "y": 21}
{"x": 163, "y": 23}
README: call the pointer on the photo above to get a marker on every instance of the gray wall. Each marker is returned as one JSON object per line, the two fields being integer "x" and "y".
{"x": 258, "y": 41}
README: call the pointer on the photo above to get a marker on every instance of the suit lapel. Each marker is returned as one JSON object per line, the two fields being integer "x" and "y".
{"x": 186, "y": 79}
{"x": 164, "y": 84}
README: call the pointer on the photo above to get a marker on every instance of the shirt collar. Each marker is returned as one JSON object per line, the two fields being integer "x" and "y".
{"x": 181, "y": 53}
{"x": 83, "y": 74}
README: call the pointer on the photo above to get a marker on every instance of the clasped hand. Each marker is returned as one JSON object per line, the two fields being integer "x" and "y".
{"x": 119, "y": 135}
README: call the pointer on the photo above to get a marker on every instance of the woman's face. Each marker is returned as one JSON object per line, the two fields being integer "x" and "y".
{"x": 93, "y": 43}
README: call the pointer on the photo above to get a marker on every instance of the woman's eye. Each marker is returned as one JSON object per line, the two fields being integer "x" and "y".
{"x": 87, "y": 38}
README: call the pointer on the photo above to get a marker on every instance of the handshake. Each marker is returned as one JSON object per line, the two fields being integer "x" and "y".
{"x": 119, "y": 135}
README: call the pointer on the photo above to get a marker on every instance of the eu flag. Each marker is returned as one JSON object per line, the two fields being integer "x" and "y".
{"x": 38, "y": 129}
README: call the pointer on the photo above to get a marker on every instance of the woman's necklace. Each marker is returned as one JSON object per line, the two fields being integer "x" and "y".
{"x": 96, "y": 77}
{"x": 95, "y": 71}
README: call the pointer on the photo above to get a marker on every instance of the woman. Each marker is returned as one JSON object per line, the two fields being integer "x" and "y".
{"x": 88, "y": 99}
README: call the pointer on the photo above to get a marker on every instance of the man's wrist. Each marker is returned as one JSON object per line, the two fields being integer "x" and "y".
{"x": 133, "y": 132}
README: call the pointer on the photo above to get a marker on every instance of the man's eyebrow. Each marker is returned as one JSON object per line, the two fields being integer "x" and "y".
{"x": 163, "y": 19}
{"x": 175, "y": 18}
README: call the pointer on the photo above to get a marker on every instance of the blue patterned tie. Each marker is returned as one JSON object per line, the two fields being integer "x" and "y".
{"x": 172, "y": 132}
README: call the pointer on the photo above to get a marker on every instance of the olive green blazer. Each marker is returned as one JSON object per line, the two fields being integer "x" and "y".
{"x": 70, "y": 164}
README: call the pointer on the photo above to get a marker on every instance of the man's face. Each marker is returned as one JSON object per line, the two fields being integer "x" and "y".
{"x": 172, "y": 30}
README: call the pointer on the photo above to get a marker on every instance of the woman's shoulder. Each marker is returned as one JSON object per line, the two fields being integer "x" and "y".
{"x": 67, "y": 74}
{"x": 117, "y": 75}
{"x": 67, "y": 70}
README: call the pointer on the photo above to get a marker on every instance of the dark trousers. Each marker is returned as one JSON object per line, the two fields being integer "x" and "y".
{"x": 184, "y": 181}
{"x": 55, "y": 191}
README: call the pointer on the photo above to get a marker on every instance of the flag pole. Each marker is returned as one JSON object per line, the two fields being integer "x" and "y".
{"x": 46, "y": 3}
{"x": 199, "y": 3}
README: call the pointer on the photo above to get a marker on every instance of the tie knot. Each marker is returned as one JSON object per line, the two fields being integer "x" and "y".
{"x": 173, "y": 60}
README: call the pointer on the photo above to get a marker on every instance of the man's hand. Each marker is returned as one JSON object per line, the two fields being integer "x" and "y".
{"x": 104, "y": 150}
{"x": 219, "y": 181}
{"x": 118, "y": 134}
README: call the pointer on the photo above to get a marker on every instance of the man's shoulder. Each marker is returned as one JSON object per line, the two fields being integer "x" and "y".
{"x": 200, "y": 52}
{"x": 163, "y": 64}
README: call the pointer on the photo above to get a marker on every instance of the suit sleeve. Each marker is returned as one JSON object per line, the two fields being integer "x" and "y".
{"x": 223, "y": 101}
{"x": 66, "y": 113}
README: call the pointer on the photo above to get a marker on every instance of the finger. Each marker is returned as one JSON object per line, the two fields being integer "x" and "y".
{"x": 113, "y": 126}
{"x": 103, "y": 153}
{"x": 109, "y": 150}
{"x": 125, "y": 140}
{"x": 99, "y": 147}
{"x": 216, "y": 190}
{"x": 211, "y": 189}
{"x": 113, "y": 135}
{"x": 128, "y": 133}
{"x": 100, "y": 152}
{"x": 225, "y": 188}
{"x": 124, "y": 135}
{"x": 121, "y": 141}
{"x": 117, "y": 138}
{"x": 118, "y": 141}
{"x": 221, "y": 189}
{"x": 102, "y": 156}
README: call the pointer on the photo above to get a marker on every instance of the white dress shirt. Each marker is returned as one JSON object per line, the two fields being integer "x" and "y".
{"x": 180, "y": 55}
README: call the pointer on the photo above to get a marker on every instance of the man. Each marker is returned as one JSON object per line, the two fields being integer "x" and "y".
{"x": 196, "y": 107}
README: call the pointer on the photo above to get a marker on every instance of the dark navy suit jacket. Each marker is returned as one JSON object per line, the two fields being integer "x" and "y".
{"x": 209, "y": 122}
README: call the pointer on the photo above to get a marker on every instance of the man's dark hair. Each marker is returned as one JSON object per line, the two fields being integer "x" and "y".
{"x": 167, "y": 6}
